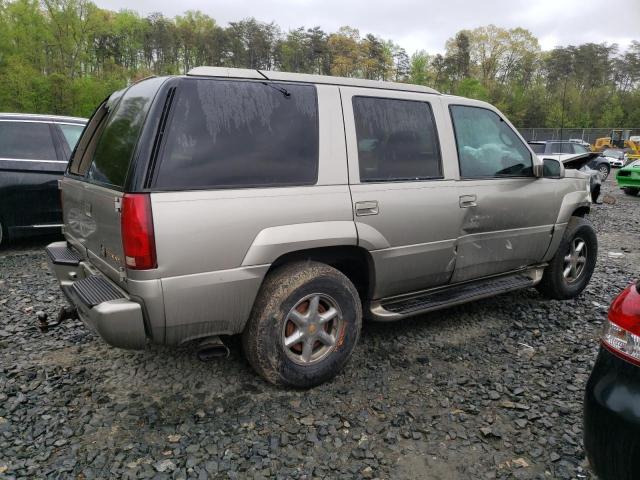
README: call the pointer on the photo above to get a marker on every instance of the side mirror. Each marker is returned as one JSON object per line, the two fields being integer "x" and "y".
{"x": 552, "y": 168}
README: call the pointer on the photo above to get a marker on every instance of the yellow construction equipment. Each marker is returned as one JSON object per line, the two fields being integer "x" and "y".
{"x": 619, "y": 138}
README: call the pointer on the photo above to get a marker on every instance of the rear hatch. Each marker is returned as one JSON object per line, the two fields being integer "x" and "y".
{"x": 95, "y": 182}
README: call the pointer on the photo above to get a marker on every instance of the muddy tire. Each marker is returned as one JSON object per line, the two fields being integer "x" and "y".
{"x": 304, "y": 325}
{"x": 631, "y": 191}
{"x": 570, "y": 269}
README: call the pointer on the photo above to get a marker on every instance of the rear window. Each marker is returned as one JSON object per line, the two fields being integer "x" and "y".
{"x": 26, "y": 141}
{"x": 117, "y": 134}
{"x": 225, "y": 133}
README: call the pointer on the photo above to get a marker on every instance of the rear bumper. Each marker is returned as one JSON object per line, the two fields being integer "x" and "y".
{"x": 612, "y": 418}
{"x": 101, "y": 305}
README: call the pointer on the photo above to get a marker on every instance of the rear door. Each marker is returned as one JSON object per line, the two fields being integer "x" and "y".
{"x": 95, "y": 182}
{"x": 404, "y": 194}
{"x": 32, "y": 162}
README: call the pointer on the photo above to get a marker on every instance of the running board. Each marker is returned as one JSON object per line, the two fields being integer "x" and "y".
{"x": 396, "y": 308}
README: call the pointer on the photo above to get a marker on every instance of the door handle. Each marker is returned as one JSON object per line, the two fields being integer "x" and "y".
{"x": 467, "y": 201}
{"x": 366, "y": 208}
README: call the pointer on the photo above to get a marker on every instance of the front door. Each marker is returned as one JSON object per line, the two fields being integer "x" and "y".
{"x": 405, "y": 200}
{"x": 509, "y": 214}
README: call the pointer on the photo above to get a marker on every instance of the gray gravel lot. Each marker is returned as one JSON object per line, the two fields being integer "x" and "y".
{"x": 491, "y": 389}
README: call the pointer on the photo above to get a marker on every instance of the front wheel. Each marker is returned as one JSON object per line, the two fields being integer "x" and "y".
{"x": 631, "y": 191}
{"x": 604, "y": 171}
{"x": 570, "y": 269}
{"x": 304, "y": 325}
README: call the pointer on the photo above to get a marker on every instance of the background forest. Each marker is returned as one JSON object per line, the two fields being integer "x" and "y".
{"x": 65, "y": 56}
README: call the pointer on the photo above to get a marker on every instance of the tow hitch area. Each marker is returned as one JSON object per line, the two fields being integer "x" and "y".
{"x": 65, "y": 313}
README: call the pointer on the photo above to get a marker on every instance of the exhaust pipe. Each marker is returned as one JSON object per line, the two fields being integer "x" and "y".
{"x": 212, "y": 347}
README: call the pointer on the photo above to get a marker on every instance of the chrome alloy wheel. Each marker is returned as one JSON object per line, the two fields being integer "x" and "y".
{"x": 311, "y": 329}
{"x": 575, "y": 260}
{"x": 604, "y": 172}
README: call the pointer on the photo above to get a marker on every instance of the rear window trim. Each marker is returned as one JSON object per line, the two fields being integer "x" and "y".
{"x": 152, "y": 187}
{"x": 437, "y": 138}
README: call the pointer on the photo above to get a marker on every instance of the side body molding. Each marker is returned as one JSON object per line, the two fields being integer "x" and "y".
{"x": 273, "y": 242}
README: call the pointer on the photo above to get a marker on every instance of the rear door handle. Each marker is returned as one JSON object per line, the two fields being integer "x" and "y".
{"x": 366, "y": 208}
{"x": 467, "y": 201}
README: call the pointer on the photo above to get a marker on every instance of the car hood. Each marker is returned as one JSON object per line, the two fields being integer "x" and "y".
{"x": 571, "y": 161}
{"x": 632, "y": 166}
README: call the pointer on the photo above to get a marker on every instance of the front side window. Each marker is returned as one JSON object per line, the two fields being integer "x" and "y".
{"x": 26, "y": 141}
{"x": 230, "y": 133}
{"x": 397, "y": 140}
{"x": 560, "y": 148}
{"x": 487, "y": 146}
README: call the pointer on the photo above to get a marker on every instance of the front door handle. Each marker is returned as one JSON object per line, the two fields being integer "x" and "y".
{"x": 366, "y": 208}
{"x": 467, "y": 201}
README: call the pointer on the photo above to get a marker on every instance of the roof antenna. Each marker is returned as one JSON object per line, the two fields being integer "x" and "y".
{"x": 265, "y": 77}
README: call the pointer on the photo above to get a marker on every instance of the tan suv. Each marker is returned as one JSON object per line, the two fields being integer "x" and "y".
{"x": 285, "y": 207}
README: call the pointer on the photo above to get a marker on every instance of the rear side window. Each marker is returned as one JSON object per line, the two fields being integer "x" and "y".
{"x": 117, "y": 136}
{"x": 240, "y": 134}
{"x": 26, "y": 141}
{"x": 71, "y": 134}
{"x": 487, "y": 146}
{"x": 397, "y": 140}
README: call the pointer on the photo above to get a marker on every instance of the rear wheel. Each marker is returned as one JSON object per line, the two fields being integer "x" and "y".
{"x": 570, "y": 269}
{"x": 304, "y": 326}
{"x": 631, "y": 191}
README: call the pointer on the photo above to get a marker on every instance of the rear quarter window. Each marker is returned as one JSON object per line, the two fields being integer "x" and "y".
{"x": 226, "y": 133}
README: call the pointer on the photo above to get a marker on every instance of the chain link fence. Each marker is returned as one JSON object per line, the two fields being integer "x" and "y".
{"x": 587, "y": 134}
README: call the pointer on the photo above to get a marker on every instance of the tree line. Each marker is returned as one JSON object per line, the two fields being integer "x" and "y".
{"x": 65, "y": 56}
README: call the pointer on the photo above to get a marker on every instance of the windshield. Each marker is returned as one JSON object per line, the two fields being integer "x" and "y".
{"x": 613, "y": 153}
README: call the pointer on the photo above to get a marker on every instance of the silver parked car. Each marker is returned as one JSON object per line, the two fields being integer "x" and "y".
{"x": 285, "y": 207}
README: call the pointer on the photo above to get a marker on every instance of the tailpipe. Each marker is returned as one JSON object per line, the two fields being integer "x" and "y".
{"x": 212, "y": 347}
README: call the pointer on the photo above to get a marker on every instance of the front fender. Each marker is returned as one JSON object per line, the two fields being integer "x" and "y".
{"x": 573, "y": 201}
{"x": 274, "y": 242}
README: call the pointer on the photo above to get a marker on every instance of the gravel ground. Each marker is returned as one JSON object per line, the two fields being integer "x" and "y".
{"x": 491, "y": 389}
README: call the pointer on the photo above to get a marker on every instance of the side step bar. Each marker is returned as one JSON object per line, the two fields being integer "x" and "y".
{"x": 396, "y": 308}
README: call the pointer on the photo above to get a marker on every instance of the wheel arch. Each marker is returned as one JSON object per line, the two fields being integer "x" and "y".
{"x": 354, "y": 262}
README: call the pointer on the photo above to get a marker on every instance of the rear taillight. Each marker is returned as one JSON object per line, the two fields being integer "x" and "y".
{"x": 138, "y": 240}
{"x": 622, "y": 329}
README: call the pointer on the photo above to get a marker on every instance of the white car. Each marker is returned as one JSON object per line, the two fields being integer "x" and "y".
{"x": 616, "y": 158}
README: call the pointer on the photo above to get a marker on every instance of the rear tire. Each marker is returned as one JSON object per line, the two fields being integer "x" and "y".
{"x": 288, "y": 339}
{"x": 570, "y": 269}
{"x": 631, "y": 191}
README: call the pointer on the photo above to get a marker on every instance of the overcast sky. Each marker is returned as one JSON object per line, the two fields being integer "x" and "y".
{"x": 426, "y": 24}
